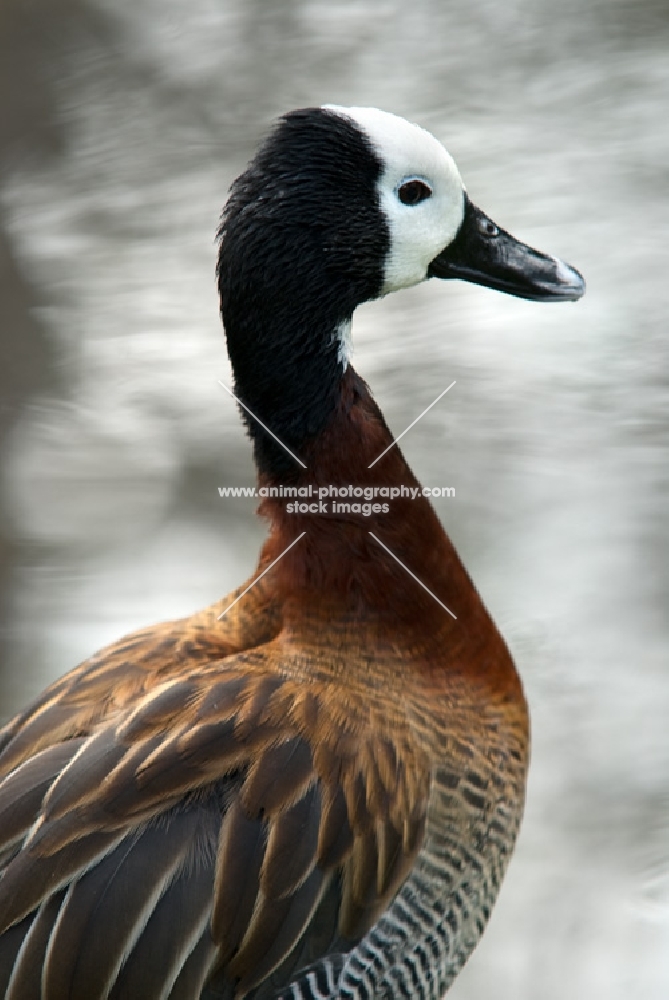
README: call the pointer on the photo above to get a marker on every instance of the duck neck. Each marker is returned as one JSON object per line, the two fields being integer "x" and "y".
{"x": 288, "y": 369}
{"x": 355, "y": 523}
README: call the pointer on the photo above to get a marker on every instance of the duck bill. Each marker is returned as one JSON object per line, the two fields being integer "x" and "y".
{"x": 487, "y": 255}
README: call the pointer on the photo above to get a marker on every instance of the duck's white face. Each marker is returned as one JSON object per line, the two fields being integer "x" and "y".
{"x": 421, "y": 193}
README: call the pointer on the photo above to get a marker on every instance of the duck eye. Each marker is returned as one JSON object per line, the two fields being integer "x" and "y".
{"x": 487, "y": 227}
{"x": 413, "y": 192}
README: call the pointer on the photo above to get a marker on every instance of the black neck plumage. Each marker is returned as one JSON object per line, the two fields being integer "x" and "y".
{"x": 302, "y": 243}
{"x": 289, "y": 382}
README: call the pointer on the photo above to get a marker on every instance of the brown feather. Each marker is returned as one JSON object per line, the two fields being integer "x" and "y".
{"x": 309, "y": 730}
{"x": 22, "y": 792}
{"x": 50, "y": 725}
{"x": 239, "y": 861}
{"x": 278, "y": 778}
{"x": 335, "y": 835}
{"x": 275, "y": 928}
{"x": 30, "y": 878}
{"x": 291, "y": 846}
{"x": 162, "y": 708}
{"x": 107, "y": 908}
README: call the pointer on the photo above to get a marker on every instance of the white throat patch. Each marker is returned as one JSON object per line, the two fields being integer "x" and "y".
{"x": 343, "y": 335}
{"x": 417, "y": 232}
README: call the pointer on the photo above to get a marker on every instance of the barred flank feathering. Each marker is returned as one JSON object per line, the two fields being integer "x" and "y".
{"x": 311, "y": 789}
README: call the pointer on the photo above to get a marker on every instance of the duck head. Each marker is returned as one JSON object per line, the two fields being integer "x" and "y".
{"x": 437, "y": 231}
{"x": 340, "y": 206}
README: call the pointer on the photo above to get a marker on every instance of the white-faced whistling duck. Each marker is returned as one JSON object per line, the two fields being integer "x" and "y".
{"x": 315, "y": 795}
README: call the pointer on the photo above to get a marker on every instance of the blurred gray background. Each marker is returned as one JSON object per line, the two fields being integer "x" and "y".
{"x": 121, "y": 127}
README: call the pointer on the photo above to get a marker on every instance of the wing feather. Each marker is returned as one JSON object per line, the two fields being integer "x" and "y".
{"x": 279, "y": 777}
{"x": 120, "y": 892}
{"x": 23, "y": 790}
{"x": 30, "y": 878}
{"x": 195, "y": 970}
{"x": 80, "y": 780}
{"x": 291, "y": 856}
{"x": 10, "y": 946}
{"x": 276, "y": 927}
{"x": 173, "y": 931}
{"x": 236, "y": 819}
{"x": 26, "y": 981}
{"x": 51, "y": 724}
{"x": 335, "y": 836}
{"x": 238, "y": 865}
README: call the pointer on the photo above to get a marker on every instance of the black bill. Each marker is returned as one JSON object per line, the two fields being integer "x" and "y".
{"x": 487, "y": 255}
